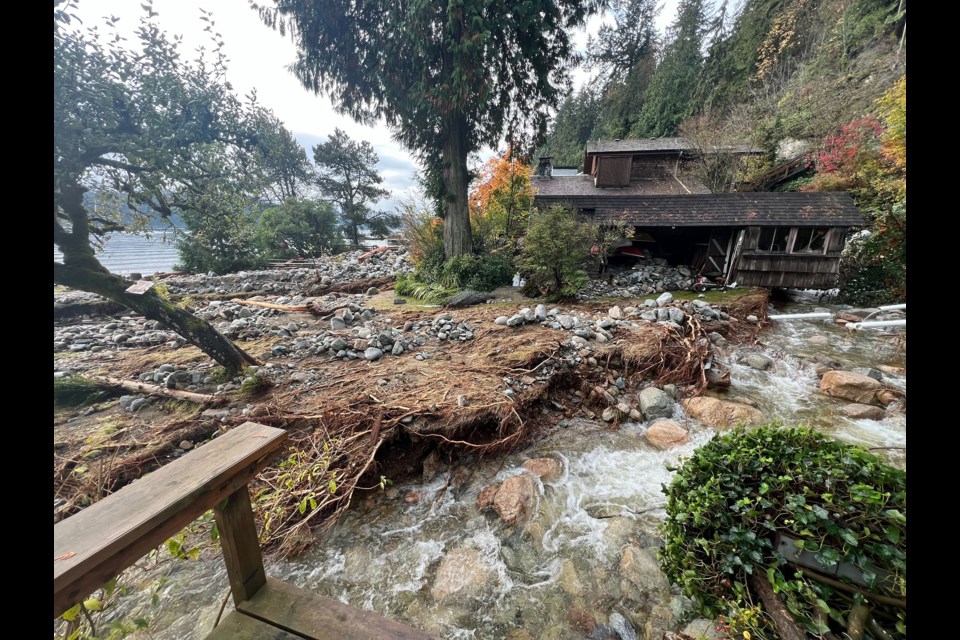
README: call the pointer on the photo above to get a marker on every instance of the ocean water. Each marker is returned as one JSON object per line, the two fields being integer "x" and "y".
{"x": 125, "y": 253}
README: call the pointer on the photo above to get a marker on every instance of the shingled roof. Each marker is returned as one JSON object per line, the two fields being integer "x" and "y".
{"x": 582, "y": 185}
{"x": 806, "y": 209}
{"x": 641, "y": 145}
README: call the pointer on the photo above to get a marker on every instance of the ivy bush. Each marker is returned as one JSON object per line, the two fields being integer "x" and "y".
{"x": 728, "y": 501}
{"x": 873, "y": 269}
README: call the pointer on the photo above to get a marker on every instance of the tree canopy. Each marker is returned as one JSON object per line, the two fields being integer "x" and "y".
{"x": 164, "y": 134}
{"x": 346, "y": 173}
{"x": 448, "y": 77}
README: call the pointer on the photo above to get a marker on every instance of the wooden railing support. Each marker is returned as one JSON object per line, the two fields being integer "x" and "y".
{"x": 241, "y": 546}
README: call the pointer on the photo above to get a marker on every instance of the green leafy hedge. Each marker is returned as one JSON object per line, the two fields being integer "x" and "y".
{"x": 728, "y": 501}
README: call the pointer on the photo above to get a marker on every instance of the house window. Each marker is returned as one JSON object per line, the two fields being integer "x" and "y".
{"x": 773, "y": 239}
{"x": 810, "y": 240}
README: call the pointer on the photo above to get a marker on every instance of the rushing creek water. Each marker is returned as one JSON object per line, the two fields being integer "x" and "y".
{"x": 544, "y": 579}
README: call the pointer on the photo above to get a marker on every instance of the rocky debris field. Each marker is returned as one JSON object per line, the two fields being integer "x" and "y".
{"x": 642, "y": 279}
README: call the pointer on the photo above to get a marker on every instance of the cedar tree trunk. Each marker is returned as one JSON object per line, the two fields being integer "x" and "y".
{"x": 457, "y": 239}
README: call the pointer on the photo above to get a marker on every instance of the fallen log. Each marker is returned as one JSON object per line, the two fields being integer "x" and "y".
{"x": 154, "y": 390}
{"x": 270, "y": 305}
{"x": 786, "y": 627}
{"x": 374, "y": 252}
{"x": 291, "y": 308}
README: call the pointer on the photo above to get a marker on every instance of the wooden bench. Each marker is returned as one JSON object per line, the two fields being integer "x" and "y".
{"x": 98, "y": 543}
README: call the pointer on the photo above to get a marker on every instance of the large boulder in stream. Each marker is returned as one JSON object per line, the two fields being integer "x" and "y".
{"x": 665, "y": 433}
{"x": 515, "y": 497}
{"x": 547, "y": 469}
{"x": 721, "y": 414}
{"x": 461, "y": 574}
{"x": 640, "y": 568}
{"x": 851, "y": 386}
{"x": 863, "y": 411}
{"x": 655, "y": 403}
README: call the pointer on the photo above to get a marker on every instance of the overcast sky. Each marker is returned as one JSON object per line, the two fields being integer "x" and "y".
{"x": 258, "y": 58}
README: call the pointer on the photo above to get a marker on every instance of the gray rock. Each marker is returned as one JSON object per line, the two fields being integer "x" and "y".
{"x": 366, "y": 315}
{"x": 339, "y": 344}
{"x": 566, "y": 322}
{"x": 677, "y": 315}
{"x": 757, "y": 361}
{"x": 501, "y": 320}
{"x": 615, "y": 312}
{"x": 649, "y": 316}
{"x": 752, "y": 318}
{"x": 606, "y": 323}
{"x": 672, "y": 391}
{"x": 703, "y": 629}
{"x": 337, "y": 323}
{"x": 528, "y": 315}
{"x": 399, "y": 301}
{"x": 663, "y": 315}
{"x": 468, "y": 298}
{"x": 540, "y": 312}
{"x": 386, "y": 338}
{"x": 397, "y": 348}
{"x": 622, "y": 627}
{"x": 186, "y": 445}
{"x": 869, "y": 372}
{"x": 515, "y": 320}
{"x": 649, "y": 303}
{"x": 655, "y": 403}
{"x": 664, "y": 299}
{"x": 373, "y": 354}
{"x": 372, "y": 291}
{"x": 347, "y": 316}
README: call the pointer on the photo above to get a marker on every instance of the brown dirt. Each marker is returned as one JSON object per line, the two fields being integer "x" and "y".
{"x": 369, "y": 420}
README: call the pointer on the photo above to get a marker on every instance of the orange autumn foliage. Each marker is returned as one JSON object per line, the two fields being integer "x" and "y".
{"x": 502, "y": 197}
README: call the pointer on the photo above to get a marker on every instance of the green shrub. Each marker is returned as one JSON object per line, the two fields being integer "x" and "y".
{"x": 482, "y": 273}
{"x": 728, "y": 501}
{"x": 873, "y": 270}
{"x": 555, "y": 252}
{"x": 429, "y": 293}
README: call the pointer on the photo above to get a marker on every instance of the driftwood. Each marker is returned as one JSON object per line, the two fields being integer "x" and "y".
{"x": 374, "y": 252}
{"x": 154, "y": 390}
{"x": 291, "y": 308}
{"x": 786, "y": 627}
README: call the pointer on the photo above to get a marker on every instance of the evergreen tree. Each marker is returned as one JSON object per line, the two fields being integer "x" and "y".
{"x": 347, "y": 175}
{"x": 571, "y": 128}
{"x": 668, "y": 98}
{"x": 448, "y": 76}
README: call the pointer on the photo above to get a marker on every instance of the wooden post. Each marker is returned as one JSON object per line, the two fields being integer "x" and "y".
{"x": 241, "y": 546}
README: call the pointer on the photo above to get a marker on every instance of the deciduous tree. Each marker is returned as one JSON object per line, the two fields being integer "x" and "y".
{"x": 141, "y": 125}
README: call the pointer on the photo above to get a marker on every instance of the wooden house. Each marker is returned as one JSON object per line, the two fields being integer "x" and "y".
{"x": 759, "y": 239}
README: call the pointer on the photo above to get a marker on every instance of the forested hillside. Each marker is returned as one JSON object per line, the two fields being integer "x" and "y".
{"x": 819, "y": 80}
{"x": 774, "y": 70}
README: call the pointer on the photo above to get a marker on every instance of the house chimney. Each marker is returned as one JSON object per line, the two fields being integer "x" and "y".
{"x": 545, "y": 168}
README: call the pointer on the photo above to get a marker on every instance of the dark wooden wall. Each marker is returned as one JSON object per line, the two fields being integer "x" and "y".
{"x": 613, "y": 171}
{"x": 652, "y": 166}
{"x": 796, "y": 270}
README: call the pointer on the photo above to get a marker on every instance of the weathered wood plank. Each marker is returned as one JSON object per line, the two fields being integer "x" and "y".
{"x": 96, "y": 544}
{"x": 314, "y": 616}
{"x": 241, "y": 546}
{"x": 237, "y": 626}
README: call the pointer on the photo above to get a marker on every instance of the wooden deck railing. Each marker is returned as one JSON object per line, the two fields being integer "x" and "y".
{"x": 98, "y": 543}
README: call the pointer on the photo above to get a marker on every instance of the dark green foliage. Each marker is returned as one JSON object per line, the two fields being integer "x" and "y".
{"x": 668, "y": 99}
{"x": 448, "y": 77}
{"x": 76, "y": 391}
{"x": 556, "y": 251}
{"x": 873, "y": 270}
{"x": 299, "y": 229}
{"x": 426, "y": 292}
{"x": 571, "y": 128}
{"x": 347, "y": 175}
{"x": 478, "y": 272}
{"x": 730, "y": 498}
